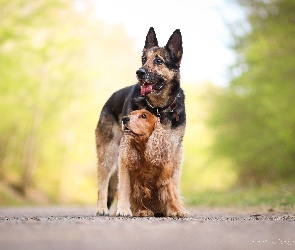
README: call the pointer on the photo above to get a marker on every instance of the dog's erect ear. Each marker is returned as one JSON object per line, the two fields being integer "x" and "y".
{"x": 174, "y": 45}
{"x": 151, "y": 39}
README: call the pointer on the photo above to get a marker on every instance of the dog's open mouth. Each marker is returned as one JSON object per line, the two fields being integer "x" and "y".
{"x": 129, "y": 131}
{"x": 147, "y": 88}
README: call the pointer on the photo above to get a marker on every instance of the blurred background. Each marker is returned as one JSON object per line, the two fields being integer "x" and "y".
{"x": 60, "y": 60}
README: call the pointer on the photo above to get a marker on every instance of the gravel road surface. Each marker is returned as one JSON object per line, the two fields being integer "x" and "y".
{"x": 77, "y": 228}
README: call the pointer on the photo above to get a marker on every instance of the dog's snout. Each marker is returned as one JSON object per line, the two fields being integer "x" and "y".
{"x": 141, "y": 73}
{"x": 125, "y": 119}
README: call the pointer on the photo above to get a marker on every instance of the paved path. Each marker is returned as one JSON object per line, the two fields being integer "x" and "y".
{"x": 77, "y": 228}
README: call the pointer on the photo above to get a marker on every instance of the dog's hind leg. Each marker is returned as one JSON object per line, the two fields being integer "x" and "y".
{"x": 178, "y": 154}
{"x": 113, "y": 185}
{"x": 174, "y": 207}
{"x": 103, "y": 179}
{"x": 108, "y": 135}
{"x": 176, "y": 138}
{"x": 107, "y": 177}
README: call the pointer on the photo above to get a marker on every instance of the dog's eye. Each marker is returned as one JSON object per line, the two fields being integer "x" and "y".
{"x": 143, "y": 116}
{"x": 158, "y": 61}
{"x": 143, "y": 59}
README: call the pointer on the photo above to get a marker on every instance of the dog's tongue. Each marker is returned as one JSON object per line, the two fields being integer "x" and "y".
{"x": 145, "y": 89}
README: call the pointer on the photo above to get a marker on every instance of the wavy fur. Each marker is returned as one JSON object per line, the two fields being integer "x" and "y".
{"x": 158, "y": 147}
{"x": 146, "y": 184}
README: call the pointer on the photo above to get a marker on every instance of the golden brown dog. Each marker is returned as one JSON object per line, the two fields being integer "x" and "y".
{"x": 146, "y": 184}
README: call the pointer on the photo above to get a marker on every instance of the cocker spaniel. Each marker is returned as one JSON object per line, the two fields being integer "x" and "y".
{"x": 146, "y": 184}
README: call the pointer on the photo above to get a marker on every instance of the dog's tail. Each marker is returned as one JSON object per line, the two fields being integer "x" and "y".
{"x": 112, "y": 189}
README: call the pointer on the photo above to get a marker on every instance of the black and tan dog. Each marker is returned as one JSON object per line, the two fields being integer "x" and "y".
{"x": 158, "y": 91}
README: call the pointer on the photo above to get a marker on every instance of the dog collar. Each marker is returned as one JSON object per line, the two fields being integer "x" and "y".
{"x": 172, "y": 106}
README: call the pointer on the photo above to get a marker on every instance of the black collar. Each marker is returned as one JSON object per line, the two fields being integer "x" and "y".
{"x": 172, "y": 108}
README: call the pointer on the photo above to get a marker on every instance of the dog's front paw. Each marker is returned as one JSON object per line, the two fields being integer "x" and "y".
{"x": 102, "y": 211}
{"x": 177, "y": 214}
{"x": 124, "y": 212}
{"x": 144, "y": 213}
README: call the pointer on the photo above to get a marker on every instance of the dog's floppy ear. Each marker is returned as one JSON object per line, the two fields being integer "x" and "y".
{"x": 151, "y": 39}
{"x": 159, "y": 147}
{"x": 128, "y": 154}
{"x": 174, "y": 45}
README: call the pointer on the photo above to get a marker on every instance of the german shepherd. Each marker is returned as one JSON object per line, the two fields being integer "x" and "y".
{"x": 158, "y": 91}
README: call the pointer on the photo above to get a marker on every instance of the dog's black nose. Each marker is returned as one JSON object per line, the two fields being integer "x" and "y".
{"x": 140, "y": 73}
{"x": 125, "y": 119}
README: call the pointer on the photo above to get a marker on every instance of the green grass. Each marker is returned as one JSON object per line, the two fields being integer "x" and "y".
{"x": 271, "y": 196}
{"x": 279, "y": 197}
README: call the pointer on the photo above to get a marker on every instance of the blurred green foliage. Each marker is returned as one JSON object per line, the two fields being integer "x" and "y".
{"x": 201, "y": 170}
{"x": 59, "y": 64}
{"x": 254, "y": 118}
{"x": 269, "y": 197}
